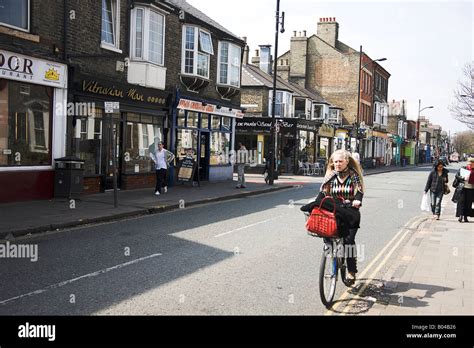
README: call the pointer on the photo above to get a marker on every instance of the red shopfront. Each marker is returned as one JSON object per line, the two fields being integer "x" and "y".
{"x": 32, "y": 125}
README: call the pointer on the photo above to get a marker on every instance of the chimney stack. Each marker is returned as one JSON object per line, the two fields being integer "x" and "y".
{"x": 246, "y": 51}
{"x": 328, "y": 30}
{"x": 266, "y": 58}
{"x": 298, "y": 62}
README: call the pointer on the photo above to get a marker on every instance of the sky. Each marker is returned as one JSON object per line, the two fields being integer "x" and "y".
{"x": 426, "y": 43}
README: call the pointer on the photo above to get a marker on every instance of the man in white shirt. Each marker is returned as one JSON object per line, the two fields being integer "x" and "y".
{"x": 162, "y": 158}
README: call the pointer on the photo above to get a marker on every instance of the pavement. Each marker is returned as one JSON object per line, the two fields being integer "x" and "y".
{"x": 427, "y": 269}
{"x": 23, "y": 218}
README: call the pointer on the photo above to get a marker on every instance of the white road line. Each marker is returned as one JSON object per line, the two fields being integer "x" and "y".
{"x": 405, "y": 229}
{"x": 369, "y": 278}
{"x": 245, "y": 227}
{"x": 67, "y": 282}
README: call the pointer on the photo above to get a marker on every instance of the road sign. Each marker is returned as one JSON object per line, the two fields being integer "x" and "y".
{"x": 112, "y": 107}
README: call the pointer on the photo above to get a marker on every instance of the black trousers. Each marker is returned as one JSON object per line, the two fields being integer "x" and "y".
{"x": 160, "y": 179}
{"x": 350, "y": 249}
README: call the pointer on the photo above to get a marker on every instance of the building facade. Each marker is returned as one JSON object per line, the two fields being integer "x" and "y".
{"x": 105, "y": 83}
{"x": 324, "y": 64}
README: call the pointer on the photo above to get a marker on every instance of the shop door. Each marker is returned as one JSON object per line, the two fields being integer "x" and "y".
{"x": 112, "y": 139}
{"x": 204, "y": 156}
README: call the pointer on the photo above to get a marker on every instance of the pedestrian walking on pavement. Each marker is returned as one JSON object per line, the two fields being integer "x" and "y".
{"x": 344, "y": 181}
{"x": 162, "y": 159}
{"x": 242, "y": 160}
{"x": 464, "y": 195}
{"x": 436, "y": 182}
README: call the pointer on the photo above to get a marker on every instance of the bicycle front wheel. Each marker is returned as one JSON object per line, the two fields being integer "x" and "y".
{"x": 327, "y": 278}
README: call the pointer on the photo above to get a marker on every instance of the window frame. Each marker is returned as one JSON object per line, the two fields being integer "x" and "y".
{"x": 197, "y": 52}
{"x": 229, "y": 64}
{"x": 115, "y": 27}
{"x": 145, "y": 53}
{"x": 28, "y": 21}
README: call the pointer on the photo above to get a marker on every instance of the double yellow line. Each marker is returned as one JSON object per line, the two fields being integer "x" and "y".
{"x": 392, "y": 245}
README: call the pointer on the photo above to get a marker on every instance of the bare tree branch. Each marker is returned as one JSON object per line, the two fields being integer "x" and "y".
{"x": 463, "y": 106}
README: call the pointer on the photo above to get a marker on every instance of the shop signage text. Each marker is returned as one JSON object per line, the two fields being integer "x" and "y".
{"x": 132, "y": 94}
{"x": 191, "y": 105}
{"x": 17, "y": 67}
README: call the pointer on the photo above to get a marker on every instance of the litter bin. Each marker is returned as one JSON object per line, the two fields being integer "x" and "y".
{"x": 68, "y": 177}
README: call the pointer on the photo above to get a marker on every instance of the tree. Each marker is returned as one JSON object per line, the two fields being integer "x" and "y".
{"x": 464, "y": 142}
{"x": 463, "y": 107}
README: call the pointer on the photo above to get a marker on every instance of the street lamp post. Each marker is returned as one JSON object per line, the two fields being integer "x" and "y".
{"x": 273, "y": 135}
{"x": 361, "y": 67}
{"x": 417, "y": 154}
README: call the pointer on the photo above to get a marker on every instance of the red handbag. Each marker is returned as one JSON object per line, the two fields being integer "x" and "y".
{"x": 322, "y": 223}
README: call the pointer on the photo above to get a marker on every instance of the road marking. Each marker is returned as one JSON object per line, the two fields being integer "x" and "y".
{"x": 245, "y": 227}
{"x": 366, "y": 284}
{"x": 70, "y": 281}
{"x": 406, "y": 229}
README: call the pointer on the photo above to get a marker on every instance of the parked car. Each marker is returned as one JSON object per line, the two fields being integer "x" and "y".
{"x": 454, "y": 157}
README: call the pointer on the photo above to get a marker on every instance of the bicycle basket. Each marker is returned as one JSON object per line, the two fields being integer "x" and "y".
{"x": 321, "y": 222}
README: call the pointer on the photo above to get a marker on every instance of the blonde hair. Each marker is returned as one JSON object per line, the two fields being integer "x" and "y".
{"x": 353, "y": 164}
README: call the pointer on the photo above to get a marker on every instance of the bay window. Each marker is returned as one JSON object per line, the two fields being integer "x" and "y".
{"x": 148, "y": 35}
{"x": 197, "y": 48}
{"x": 229, "y": 64}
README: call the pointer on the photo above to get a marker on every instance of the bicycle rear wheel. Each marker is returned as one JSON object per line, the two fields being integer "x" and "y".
{"x": 327, "y": 278}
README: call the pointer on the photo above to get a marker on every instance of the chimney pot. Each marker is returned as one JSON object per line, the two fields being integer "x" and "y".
{"x": 244, "y": 38}
{"x": 294, "y": 33}
{"x": 304, "y": 33}
{"x": 257, "y": 53}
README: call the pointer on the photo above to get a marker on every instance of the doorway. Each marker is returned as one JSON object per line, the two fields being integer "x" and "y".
{"x": 204, "y": 156}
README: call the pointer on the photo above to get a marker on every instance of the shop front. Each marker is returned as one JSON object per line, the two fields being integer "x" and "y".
{"x": 296, "y": 140}
{"x": 130, "y": 131}
{"x": 32, "y": 125}
{"x": 204, "y": 130}
{"x": 380, "y": 145}
{"x": 325, "y": 145}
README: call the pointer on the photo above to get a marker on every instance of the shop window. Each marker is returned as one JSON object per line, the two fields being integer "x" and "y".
{"x": 15, "y": 14}
{"x": 220, "y": 146}
{"x": 140, "y": 140}
{"x": 181, "y": 118}
{"x": 197, "y": 48}
{"x": 215, "y": 122}
{"x": 204, "y": 121}
{"x": 89, "y": 148}
{"x": 186, "y": 143}
{"x": 25, "y": 124}
{"x": 148, "y": 35}
{"x": 229, "y": 64}
{"x": 226, "y": 123}
{"x": 110, "y": 24}
{"x": 193, "y": 119}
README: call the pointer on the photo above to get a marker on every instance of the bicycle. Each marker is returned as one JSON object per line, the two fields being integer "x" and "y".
{"x": 333, "y": 262}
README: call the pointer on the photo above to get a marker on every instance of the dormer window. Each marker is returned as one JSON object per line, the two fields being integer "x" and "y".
{"x": 197, "y": 48}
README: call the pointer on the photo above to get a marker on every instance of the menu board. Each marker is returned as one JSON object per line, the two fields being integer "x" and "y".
{"x": 186, "y": 169}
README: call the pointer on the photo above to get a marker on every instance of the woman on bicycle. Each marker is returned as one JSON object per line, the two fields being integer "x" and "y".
{"x": 344, "y": 181}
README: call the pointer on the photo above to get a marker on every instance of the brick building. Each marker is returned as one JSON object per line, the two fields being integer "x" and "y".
{"x": 174, "y": 72}
{"x": 323, "y": 63}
